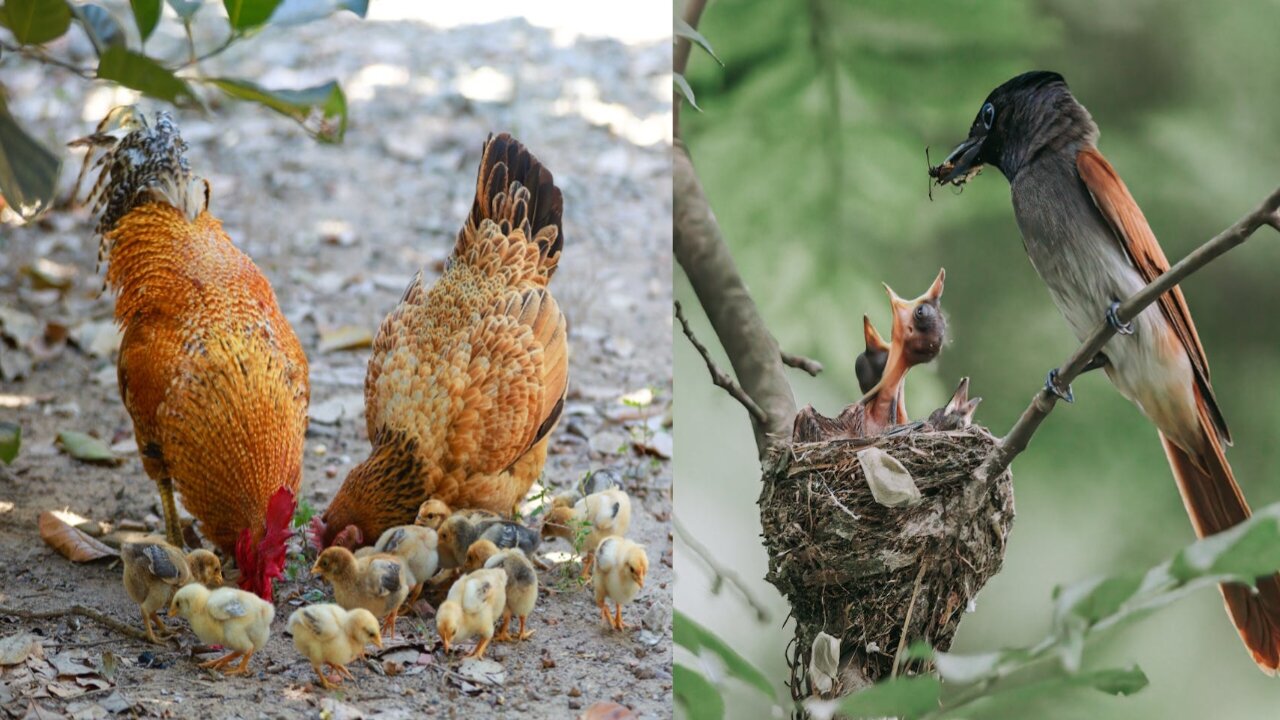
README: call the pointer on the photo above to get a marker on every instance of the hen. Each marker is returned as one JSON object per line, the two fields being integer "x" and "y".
{"x": 209, "y": 370}
{"x": 467, "y": 377}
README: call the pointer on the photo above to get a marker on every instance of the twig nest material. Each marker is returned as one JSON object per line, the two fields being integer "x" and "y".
{"x": 867, "y": 571}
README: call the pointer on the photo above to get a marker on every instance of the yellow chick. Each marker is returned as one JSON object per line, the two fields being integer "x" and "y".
{"x": 521, "y": 590}
{"x": 416, "y": 546}
{"x": 478, "y": 554}
{"x": 473, "y": 606}
{"x": 326, "y": 634}
{"x": 619, "y": 574}
{"x": 239, "y": 621}
{"x": 606, "y": 514}
{"x": 432, "y": 514}
{"x": 378, "y": 583}
{"x": 154, "y": 570}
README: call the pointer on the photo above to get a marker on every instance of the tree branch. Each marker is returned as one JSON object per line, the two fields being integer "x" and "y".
{"x": 1268, "y": 213}
{"x": 680, "y": 58}
{"x": 800, "y": 362}
{"x": 82, "y": 611}
{"x": 754, "y": 354}
{"x": 720, "y": 574}
{"x": 719, "y": 377}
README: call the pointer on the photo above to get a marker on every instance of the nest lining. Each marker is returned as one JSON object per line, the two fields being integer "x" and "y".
{"x": 858, "y": 570}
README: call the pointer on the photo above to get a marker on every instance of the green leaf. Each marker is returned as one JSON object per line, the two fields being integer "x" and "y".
{"x": 699, "y": 698}
{"x": 1095, "y": 598}
{"x": 146, "y": 13}
{"x": 695, "y": 638}
{"x": 683, "y": 86}
{"x": 186, "y": 9}
{"x": 297, "y": 12}
{"x": 10, "y": 441}
{"x": 1248, "y": 550}
{"x": 142, "y": 74}
{"x": 249, "y": 14}
{"x": 685, "y": 30}
{"x": 903, "y": 697}
{"x": 99, "y": 25}
{"x": 87, "y": 448}
{"x": 28, "y": 170}
{"x": 1017, "y": 700}
{"x": 34, "y": 22}
{"x": 320, "y": 110}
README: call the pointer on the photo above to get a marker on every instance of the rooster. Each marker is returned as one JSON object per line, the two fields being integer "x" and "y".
{"x": 209, "y": 369}
{"x": 467, "y": 377}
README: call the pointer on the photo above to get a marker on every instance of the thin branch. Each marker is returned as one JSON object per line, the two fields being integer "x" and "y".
{"x": 800, "y": 362}
{"x": 40, "y": 56}
{"x": 719, "y": 377}
{"x": 684, "y": 48}
{"x": 1268, "y": 213}
{"x": 82, "y": 611}
{"x": 720, "y": 574}
{"x": 754, "y": 354}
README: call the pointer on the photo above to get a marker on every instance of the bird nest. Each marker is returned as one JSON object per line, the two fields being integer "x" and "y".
{"x": 879, "y": 578}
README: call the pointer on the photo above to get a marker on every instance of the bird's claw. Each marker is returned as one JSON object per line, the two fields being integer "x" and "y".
{"x": 1051, "y": 386}
{"x": 1113, "y": 319}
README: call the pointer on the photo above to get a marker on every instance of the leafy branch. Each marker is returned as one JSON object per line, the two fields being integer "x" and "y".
{"x": 29, "y": 171}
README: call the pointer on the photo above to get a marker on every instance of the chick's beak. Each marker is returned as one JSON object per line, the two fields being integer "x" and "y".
{"x": 377, "y": 641}
{"x": 315, "y": 569}
{"x": 962, "y": 161}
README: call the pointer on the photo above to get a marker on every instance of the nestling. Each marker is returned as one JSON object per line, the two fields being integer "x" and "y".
{"x": 378, "y": 583}
{"x": 521, "y": 590}
{"x": 474, "y": 604}
{"x": 606, "y": 514}
{"x": 237, "y": 620}
{"x": 153, "y": 571}
{"x": 210, "y": 371}
{"x": 326, "y": 634}
{"x": 467, "y": 377}
{"x": 461, "y": 530}
{"x": 618, "y": 575}
{"x": 416, "y": 548}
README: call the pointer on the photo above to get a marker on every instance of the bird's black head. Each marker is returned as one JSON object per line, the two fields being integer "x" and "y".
{"x": 1017, "y": 119}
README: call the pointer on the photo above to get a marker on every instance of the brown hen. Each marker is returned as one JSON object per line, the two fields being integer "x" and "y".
{"x": 209, "y": 370}
{"x": 468, "y": 376}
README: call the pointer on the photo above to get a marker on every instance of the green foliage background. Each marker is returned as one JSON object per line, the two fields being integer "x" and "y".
{"x": 811, "y": 150}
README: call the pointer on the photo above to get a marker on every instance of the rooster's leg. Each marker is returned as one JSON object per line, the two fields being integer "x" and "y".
{"x": 172, "y": 527}
{"x": 524, "y": 634}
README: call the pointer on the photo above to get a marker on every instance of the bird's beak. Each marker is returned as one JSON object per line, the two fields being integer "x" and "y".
{"x": 446, "y": 643}
{"x": 378, "y": 641}
{"x": 961, "y": 164}
{"x": 315, "y": 569}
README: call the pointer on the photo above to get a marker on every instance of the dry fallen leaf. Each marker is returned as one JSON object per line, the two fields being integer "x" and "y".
{"x": 608, "y": 711}
{"x": 72, "y": 543}
{"x": 87, "y": 448}
{"x": 347, "y": 337}
{"x": 891, "y": 484}
{"x": 16, "y": 649}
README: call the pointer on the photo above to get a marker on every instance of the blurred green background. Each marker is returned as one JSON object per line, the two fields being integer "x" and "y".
{"x": 811, "y": 148}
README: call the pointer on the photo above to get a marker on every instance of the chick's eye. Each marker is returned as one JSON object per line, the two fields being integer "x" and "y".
{"x": 988, "y": 115}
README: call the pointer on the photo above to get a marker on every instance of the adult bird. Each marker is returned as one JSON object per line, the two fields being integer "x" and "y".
{"x": 1090, "y": 243}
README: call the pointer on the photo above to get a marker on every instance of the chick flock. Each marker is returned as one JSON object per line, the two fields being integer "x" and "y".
{"x": 485, "y": 562}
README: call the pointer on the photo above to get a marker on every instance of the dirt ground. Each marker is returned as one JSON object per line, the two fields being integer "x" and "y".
{"x": 339, "y": 231}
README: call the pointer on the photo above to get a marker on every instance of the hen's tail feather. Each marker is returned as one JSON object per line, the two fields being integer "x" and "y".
{"x": 1215, "y": 503}
{"x": 516, "y": 193}
{"x": 146, "y": 165}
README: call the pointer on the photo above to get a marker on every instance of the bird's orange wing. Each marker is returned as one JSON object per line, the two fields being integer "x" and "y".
{"x": 1138, "y": 242}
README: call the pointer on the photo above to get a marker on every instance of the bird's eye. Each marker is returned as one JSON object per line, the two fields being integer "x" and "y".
{"x": 988, "y": 115}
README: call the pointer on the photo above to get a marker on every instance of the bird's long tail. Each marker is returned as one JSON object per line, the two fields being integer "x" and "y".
{"x": 1215, "y": 503}
{"x": 515, "y": 220}
{"x": 146, "y": 165}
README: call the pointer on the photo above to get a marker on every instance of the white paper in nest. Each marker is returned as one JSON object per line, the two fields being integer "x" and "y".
{"x": 824, "y": 663}
{"x": 891, "y": 484}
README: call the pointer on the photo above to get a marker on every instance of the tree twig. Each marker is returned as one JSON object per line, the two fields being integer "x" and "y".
{"x": 1013, "y": 443}
{"x": 800, "y": 362}
{"x": 720, "y": 574}
{"x": 680, "y": 58}
{"x": 719, "y": 377}
{"x": 82, "y": 611}
{"x": 41, "y": 56}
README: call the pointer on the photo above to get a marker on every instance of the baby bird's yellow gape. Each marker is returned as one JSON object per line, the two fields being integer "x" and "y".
{"x": 154, "y": 570}
{"x": 618, "y": 575}
{"x": 378, "y": 583}
{"x": 239, "y": 621}
{"x": 326, "y": 634}
{"x": 473, "y": 606}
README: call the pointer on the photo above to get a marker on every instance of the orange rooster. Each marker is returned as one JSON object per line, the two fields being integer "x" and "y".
{"x": 210, "y": 371}
{"x": 467, "y": 377}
